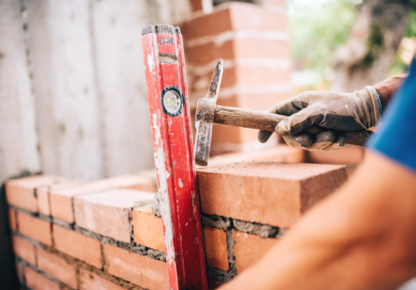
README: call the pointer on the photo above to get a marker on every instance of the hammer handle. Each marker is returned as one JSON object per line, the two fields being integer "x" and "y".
{"x": 268, "y": 121}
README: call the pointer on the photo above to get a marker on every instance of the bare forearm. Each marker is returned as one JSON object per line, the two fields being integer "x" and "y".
{"x": 387, "y": 88}
{"x": 349, "y": 241}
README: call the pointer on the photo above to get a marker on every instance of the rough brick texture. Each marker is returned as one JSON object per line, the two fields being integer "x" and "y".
{"x": 36, "y": 281}
{"x": 43, "y": 195}
{"x": 248, "y": 249}
{"x": 270, "y": 193}
{"x": 35, "y": 228}
{"x": 57, "y": 267}
{"x": 216, "y": 248}
{"x": 140, "y": 270}
{"x": 24, "y": 249}
{"x": 21, "y": 192}
{"x": 108, "y": 212}
{"x": 148, "y": 229}
{"x": 61, "y": 200}
{"x": 12, "y": 219}
{"x": 91, "y": 281}
{"x": 78, "y": 245}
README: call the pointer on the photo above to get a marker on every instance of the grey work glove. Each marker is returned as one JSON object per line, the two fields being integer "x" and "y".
{"x": 333, "y": 111}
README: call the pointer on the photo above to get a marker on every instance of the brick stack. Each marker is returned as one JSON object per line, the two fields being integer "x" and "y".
{"x": 113, "y": 240}
{"x": 254, "y": 43}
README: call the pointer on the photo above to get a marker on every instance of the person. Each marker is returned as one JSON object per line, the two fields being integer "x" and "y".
{"x": 363, "y": 236}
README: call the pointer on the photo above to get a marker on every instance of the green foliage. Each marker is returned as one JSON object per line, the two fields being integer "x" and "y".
{"x": 317, "y": 30}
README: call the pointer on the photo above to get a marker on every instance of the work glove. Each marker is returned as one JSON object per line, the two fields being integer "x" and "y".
{"x": 332, "y": 111}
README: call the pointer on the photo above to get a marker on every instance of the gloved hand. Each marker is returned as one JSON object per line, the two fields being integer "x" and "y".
{"x": 333, "y": 111}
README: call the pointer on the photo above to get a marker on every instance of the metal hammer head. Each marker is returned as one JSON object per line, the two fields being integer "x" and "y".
{"x": 205, "y": 117}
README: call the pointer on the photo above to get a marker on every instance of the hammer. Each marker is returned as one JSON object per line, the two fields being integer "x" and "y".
{"x": 207, "y": 113}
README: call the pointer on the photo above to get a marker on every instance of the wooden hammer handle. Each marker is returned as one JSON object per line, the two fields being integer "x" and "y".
{"x": 268, "y": 121}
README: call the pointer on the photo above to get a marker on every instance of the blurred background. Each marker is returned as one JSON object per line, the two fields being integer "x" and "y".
{"x": 73, "y": 97}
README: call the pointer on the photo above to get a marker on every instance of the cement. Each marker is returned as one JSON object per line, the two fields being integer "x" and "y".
{"x": 263, "y": 231}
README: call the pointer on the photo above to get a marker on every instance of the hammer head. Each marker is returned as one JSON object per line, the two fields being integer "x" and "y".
{"x": 205, "y": 117}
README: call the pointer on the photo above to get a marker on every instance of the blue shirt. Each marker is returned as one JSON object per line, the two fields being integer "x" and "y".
{"x": 396, "y": 138}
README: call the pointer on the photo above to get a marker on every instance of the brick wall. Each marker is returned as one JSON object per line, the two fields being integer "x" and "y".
{"x": 105, "y": 235}
{"x": 254, "y": 42}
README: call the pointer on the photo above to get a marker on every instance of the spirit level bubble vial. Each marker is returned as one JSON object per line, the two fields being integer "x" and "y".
{"x": 173, "y": 151}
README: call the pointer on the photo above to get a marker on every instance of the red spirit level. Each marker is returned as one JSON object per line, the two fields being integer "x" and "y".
{"x": 172, "y": 144}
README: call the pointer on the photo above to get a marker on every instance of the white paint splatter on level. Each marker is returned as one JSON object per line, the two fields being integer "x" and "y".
{"x": 180, "y": 183}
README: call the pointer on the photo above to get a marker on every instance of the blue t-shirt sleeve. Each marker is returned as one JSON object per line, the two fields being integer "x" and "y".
{"x": 397, "y": 135}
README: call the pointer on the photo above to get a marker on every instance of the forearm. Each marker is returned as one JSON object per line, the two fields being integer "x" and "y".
{"x": 387, "y": 88}
{"x": 350, "y": 241}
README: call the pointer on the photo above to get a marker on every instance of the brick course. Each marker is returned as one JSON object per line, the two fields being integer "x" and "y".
{"x": 62, "y": 199}
{"x": 24, "y": 249}
{"x": 57, "y": 267}
{"x": 35, "y": 228}
{"x": 36, "y": 281}
{"x": 21, "y": 192}
{"x": 78, "y": 245}
{"x": 108, "y": 212}
{"x": 140, "y": 270}
{"x": 270, "y": 193}
{"x": 92, "y": 281}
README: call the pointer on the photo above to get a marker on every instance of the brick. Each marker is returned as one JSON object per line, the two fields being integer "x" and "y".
{"x": 247, "y": 47}
{"x": 107, "y": 212}
{"x": 234, "y": 16}
{"x": 36, "y": 281}
{"x": 270, "y": 193}
{"x": 21, "y": 192}
{"x": 282, "y": 153}
{"x": 215, "y": 242}
{"x": 61, "y": 201}
{"x": 148, "y": 229}
{"x": 92, "y": 281}
{"x": 348, "y": 155}
{"x": 35, "y": 228}
{"x": 24, "y": 249}
{"x": 19, "y": 272}
{"x": 140, "y": 270}
{"x": 248, "y": 249}
{"x": 57, "y": 267}
{"x": 247, "y": 75}
{"x": 43, "y": 199}
{"x": 78, "y": 246}
{"x": 12, "y": 219}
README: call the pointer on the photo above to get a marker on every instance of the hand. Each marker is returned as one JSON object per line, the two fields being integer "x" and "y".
{"x": 333, "y": 111}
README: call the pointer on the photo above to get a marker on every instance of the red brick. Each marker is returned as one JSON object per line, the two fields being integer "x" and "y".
{"x": 21, "y": 192}
{"x": 35, "y": 228}
{"x": 36, "y": 281}
{"x": 140, "y": 270}
{"x": 62, "y": 200}
{"x": 282, "y": 153}
{"x": 19, "y": 271}
{"x": 234, "y": 16}
{"x": 12, "y": 219}
{"x": 107, "y": 212}
{"x": 270, "y": 193}
{"x": 78, "y": 246}
{"x": 348, "y": 155}
{"x": 43, "y": 195}
{"x": 148, "y": 229}
{"x": 215, "y": 242}
{"x": 248, "y": 249}
{"x": 57, "y": 267}
{"x": 24, "y": 249}
{"x": 247, "y": 47}
{"x": 91, "y": 281}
